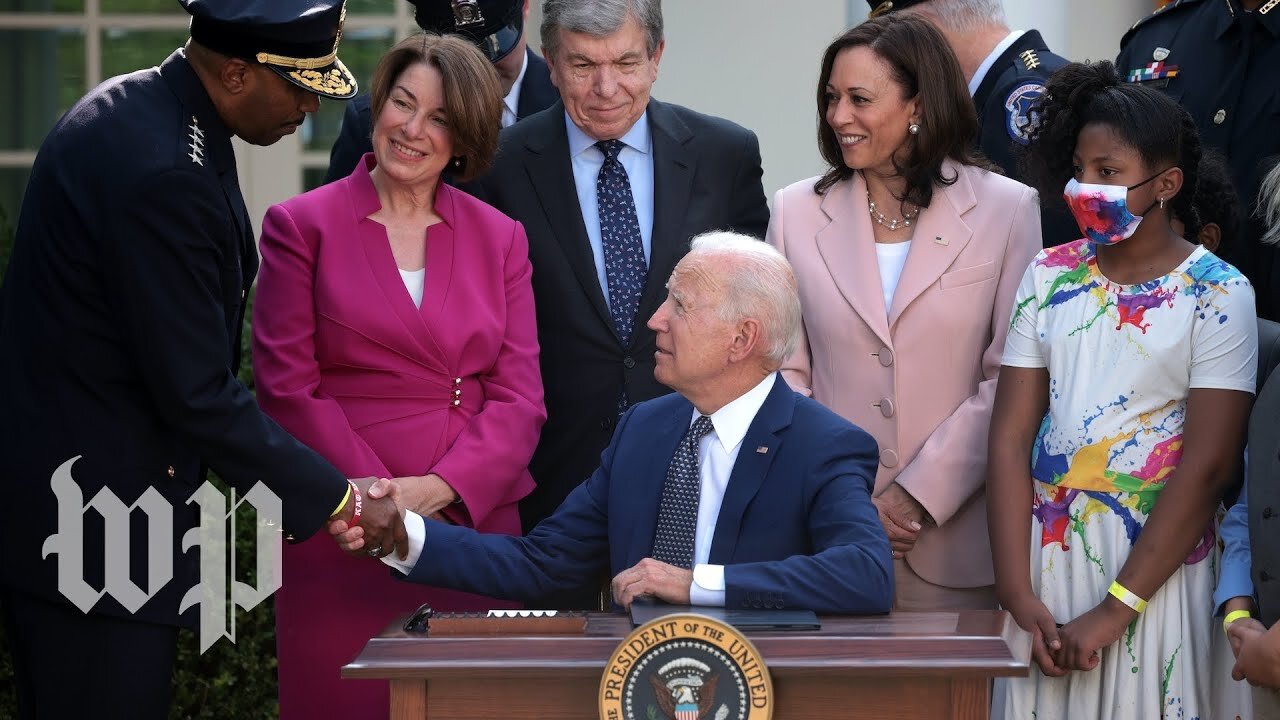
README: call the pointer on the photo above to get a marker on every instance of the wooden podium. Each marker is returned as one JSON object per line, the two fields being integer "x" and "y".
{"x": 903, "y": 665}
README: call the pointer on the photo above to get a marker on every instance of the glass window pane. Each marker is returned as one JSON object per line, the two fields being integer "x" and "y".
{"x": 13, "y": 181}
{"x": 42, "y": 6}
{"x": 370, "y": 7}
{"x": 124, "y": 51}
{"x": 141, "y": 6}
{"x": 47, "y": 71}
{"x": 360, "y": 50}
{"x": 312, "y": 178}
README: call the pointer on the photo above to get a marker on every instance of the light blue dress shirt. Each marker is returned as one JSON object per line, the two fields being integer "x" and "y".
{"x": 637, "y": 159}
{"x": 1234, "y": 579}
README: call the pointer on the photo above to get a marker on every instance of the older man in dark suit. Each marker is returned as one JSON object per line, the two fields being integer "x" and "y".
{"x": 610, "y": 185}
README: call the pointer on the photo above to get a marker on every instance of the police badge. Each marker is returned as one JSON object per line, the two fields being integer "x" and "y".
{"x": 466, "y": 13}
{"x": 686, "y": 667}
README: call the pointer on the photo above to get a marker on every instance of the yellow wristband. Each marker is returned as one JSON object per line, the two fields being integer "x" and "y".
{"x": 342, "y": 504}
{"x": 1123, "y": 594}
{"x": 1233, "y": 616}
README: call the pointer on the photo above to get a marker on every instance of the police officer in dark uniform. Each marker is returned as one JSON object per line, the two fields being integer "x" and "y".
{"x": 494, "y": 26}
{"x": 120, "y": 320}
{"x": 1219, "y": 59}
{"x": 1013, "y": 68}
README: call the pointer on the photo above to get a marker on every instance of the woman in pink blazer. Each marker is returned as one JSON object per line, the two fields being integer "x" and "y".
{"x": 394, "y": 334}
{"x": 907, "y": 254}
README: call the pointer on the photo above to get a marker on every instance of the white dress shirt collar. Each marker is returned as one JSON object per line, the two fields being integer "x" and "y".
{"x": 511, "y": 103}
{"x": 996, "y": 52}
{"x": 637, "y": 138}
{"x": 732, "y": 421}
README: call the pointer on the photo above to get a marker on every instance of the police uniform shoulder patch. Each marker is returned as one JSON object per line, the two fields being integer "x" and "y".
{"x": 1019, "y": 110}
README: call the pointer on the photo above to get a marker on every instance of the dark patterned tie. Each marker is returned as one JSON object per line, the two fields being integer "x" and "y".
{"x": 624, "y": 266}
{"x": 678, "y": 509}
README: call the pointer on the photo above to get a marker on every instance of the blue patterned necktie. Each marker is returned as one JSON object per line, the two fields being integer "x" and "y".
{"x": 624, "y": 265}
{"x": 678, "y": 509}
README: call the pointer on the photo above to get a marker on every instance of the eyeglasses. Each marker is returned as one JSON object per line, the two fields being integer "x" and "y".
{"x": 417, "y": 622}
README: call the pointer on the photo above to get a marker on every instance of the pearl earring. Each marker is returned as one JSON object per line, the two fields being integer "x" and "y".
{"x": 914, "y": 128}
{"x": 457, "y": 162}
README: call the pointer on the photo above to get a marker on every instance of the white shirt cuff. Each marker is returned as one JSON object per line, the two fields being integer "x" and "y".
{"x": 417, "y": 531}
{"x": 707, "y": 587}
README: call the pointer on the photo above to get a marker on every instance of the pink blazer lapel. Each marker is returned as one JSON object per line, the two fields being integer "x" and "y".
{"x": 416, "y": 321}
{"x": 847, "y": 246}
{"x": 940, "y": 235}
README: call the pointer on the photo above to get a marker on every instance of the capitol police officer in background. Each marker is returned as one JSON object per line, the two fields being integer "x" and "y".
{"x": 120, "y": 319}
{"x": 1006, "y": 71}
{"x": 494, "y": 26}
{"x": 1219, "y": 59}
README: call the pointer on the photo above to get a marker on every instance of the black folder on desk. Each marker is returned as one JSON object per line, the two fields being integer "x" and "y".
{"x": 644, "y": 610}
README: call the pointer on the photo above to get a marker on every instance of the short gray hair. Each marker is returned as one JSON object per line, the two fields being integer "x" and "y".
{"x": 1269, "y": 206}
{"x": 758, "y": 284}
{"x": 963, "y": 16}
{"x": 599, "y": 18}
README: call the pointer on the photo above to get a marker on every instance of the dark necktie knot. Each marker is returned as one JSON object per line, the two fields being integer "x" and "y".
{"x": 611, "y": 149}
{"x": 700, "y": 428}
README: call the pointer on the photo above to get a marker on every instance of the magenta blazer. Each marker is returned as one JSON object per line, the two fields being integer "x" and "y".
{"x": 346, "y": 363}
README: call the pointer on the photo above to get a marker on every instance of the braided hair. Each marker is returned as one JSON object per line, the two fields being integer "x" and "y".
{"x": 1079, "y": 94}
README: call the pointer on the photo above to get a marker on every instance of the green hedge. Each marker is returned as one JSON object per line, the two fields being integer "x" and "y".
{"x": 229, "y": 680}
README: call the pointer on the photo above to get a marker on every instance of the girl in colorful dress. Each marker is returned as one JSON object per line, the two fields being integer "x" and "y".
{"x": 1119, "y": 418}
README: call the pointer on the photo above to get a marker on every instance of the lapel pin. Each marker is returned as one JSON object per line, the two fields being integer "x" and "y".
{"x": 938, "y": 240}
{"x": 762, "y": 449}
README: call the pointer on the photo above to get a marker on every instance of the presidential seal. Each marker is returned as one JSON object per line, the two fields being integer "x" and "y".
{"x": 686, "y": 667}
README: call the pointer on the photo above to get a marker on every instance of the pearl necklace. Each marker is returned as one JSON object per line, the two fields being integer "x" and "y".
{"x": 882, "y": 220}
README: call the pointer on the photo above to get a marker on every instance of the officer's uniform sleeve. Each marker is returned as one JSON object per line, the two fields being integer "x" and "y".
{"x": 168, "y": 254}
{"x": 353, "y": 141}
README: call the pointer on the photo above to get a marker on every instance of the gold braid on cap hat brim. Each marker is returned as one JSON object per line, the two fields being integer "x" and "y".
{"x": 297, "y": 63}
{"x": 336, "y": 82}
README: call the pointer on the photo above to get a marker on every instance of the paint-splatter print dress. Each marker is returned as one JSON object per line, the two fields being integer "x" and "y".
{"x": 1121, "y": 361}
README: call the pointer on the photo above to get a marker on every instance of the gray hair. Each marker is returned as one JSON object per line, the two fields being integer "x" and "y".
{"x": 758, "y": 284}
{"x": 599, "y": 18}
{"x": 1269, "y": 206}
{"x": 964, "y": 16}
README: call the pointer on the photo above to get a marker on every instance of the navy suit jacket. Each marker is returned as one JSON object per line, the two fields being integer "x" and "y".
{"x": 797, "y": 528}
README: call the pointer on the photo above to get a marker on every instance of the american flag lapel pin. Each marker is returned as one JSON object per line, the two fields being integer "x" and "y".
{"x": 762, "y": 449}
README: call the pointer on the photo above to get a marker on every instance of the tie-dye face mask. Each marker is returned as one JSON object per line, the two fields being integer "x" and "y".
{"x": 1102, "y": 211}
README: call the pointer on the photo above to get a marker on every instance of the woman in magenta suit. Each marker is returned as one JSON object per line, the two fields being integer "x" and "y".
{"x": 394, "y": 334}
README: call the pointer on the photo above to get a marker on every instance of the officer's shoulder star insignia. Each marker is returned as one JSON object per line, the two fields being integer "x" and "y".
{"x": 197, "y": 142}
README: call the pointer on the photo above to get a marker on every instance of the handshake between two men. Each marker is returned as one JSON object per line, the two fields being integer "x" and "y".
{"x": 371, "y": 537}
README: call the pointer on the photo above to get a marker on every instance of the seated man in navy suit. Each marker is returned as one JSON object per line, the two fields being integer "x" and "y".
{"x": 734, "y": 491}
